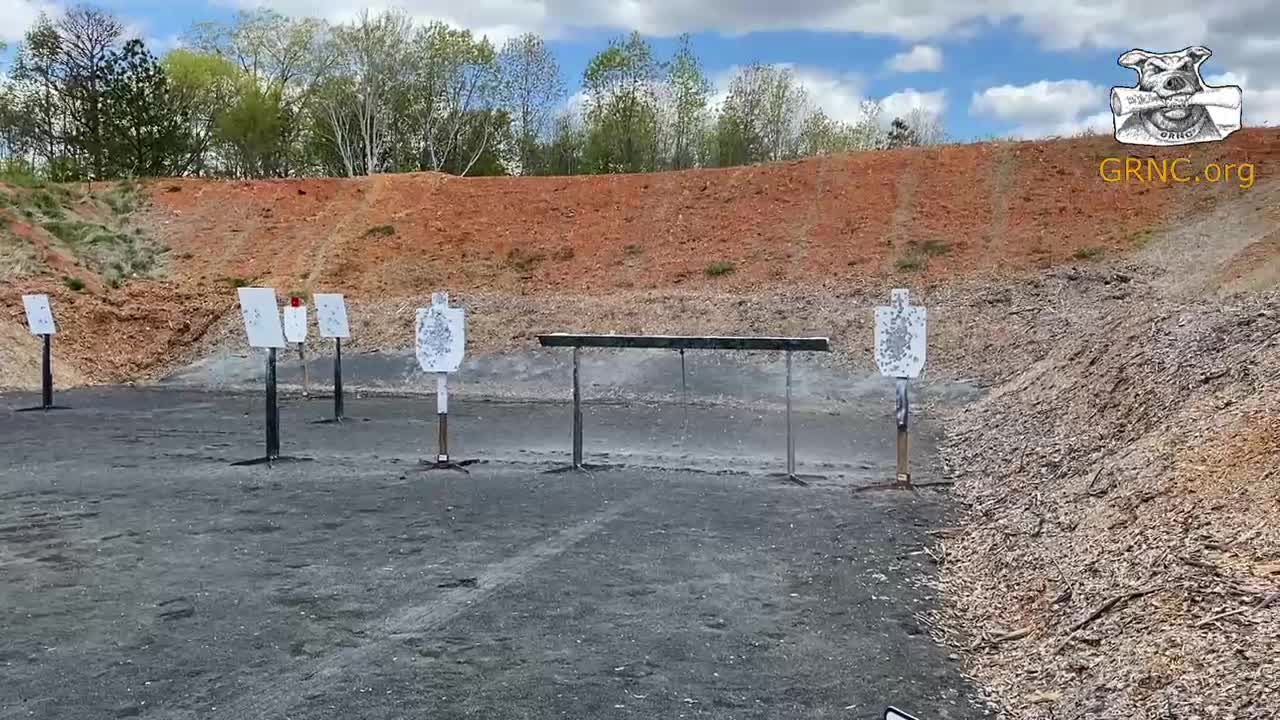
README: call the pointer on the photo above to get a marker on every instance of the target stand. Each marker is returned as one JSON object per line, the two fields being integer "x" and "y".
{"x": 790, "y": 475}
{"x": 46, "y": 380}
{"x": 442, "y": 460}
{"x": 681, "y": 343}
{"x": 338, "y": 414}
{"x": 273, "y": 455}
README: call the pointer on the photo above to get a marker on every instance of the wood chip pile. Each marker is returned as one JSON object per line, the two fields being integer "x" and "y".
{"x": 1118, "y": 551}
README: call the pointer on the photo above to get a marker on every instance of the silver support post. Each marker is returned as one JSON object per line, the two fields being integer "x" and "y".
{"x": 577, "y": 413}
{"x": 791, "y": 444}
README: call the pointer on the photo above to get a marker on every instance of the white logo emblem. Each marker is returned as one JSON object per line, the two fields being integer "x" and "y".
{"x": 1172, "y": 104}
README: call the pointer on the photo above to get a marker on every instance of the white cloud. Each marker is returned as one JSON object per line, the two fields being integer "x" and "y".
{"x": 159, "y": 45}
{"x": 920, "y": 58}
{"x": 19, "y": 14}
{"x": 1261, "y": 104}
{"x": 1046, "y": 108}
{"x": 1043, "y": 101}
{"x": 901, "y": 103}
{"x": 839, "y": 95}
{"x": 1065, "y": 24}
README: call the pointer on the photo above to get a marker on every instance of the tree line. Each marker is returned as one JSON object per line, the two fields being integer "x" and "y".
{"x": 266, "y": 95}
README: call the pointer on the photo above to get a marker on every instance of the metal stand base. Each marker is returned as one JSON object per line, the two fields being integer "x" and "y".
{"x": 801, "y": 480}
{"x": 902, "y": 482}
{"x": 456, "y": 465}
{"x": 338, "y": 421}
{"x": 582, "y": 468}
{"x": 285, "y": 460}
{"x": 43, "y": 407}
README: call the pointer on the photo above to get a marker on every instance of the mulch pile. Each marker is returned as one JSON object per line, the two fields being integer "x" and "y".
{"x": 1118, "y": 551}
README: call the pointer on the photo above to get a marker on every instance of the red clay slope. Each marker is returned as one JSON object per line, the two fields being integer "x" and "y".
{"x": 992, "y": 208}
{"x": 989, "y": 206}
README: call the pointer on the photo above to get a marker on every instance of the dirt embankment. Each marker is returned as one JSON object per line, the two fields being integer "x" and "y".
{"x": 753, "y": 249}
{"x": 1118, "y": 551}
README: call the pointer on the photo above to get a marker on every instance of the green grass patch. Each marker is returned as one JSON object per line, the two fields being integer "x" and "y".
{"x": 1142, "y": 238}
{"x": 930, "y": 248}
{"x": 73, "y": 283}
{"x": 912, "y": 262}
{"x": 71, "y": 232}
{"x": 1088, "y": 253}
{"x": 237, "y": 282}
{"x": 18, "y": 174}
{"x": 124, "y": 197}
{"x": 719, "y": 268}
{"x": 47, "y": 204}
{"x": 380, "y": 231}
{"x": 522, "y": 260}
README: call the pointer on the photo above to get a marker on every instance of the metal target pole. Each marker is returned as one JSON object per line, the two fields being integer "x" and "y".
{"x": 791, "y": 444}
{"x": 337, "y": 379}
{"x": 577, "y": 413}
{"x": 273, "y": 410}
{"x": 442, "y": 413}
{"x": 46, "y": 374}
{"x": 903, "y": 402}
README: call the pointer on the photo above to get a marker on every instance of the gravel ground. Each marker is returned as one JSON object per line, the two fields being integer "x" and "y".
{"x": 143, "y": 576}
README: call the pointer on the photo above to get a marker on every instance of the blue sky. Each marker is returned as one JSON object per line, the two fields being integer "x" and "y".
{"x": 989, "y": 68}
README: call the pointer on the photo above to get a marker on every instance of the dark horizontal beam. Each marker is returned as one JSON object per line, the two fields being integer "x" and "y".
{"x": 685, "y": 342}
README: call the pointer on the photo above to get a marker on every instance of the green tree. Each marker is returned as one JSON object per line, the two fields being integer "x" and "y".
{"x": 40, "y": 117}
{"x": 564, "y": 152}
{"x": 358, "y": 96}
{"x": 285, "y": 59}
{"x": 622, "y": 107}
{"x": 690, "y": 94}
{"x": 252, "y": 130}
{"x": 205, "y": 86}
{"x": 901, "y": 134}
{"x": 761, "y": 117}
{"x": 273, "y": 50}
{"x": 821, "y": 135}
{"x": 147, "y": 130}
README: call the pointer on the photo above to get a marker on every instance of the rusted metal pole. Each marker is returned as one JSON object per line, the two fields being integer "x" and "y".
{"x": 904, "y": 441}
{"x": 306, "y": 376}
{"x": 442, "y": 412}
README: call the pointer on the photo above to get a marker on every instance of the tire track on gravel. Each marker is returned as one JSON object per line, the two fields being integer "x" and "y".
{"x": 287, "y": 690}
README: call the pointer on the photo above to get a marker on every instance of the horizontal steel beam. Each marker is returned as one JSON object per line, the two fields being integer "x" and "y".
{"x": 686, "y": 342}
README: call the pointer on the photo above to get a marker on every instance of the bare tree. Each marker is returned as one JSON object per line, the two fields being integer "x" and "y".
{"x": 530, "y": 86}
{"x": 359, "y": 94}
{"x": 454, "y": 81}
{"x": 89, "y": 37}
{"x": 274, "y": 50}
{"x": 926, "y": 126}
